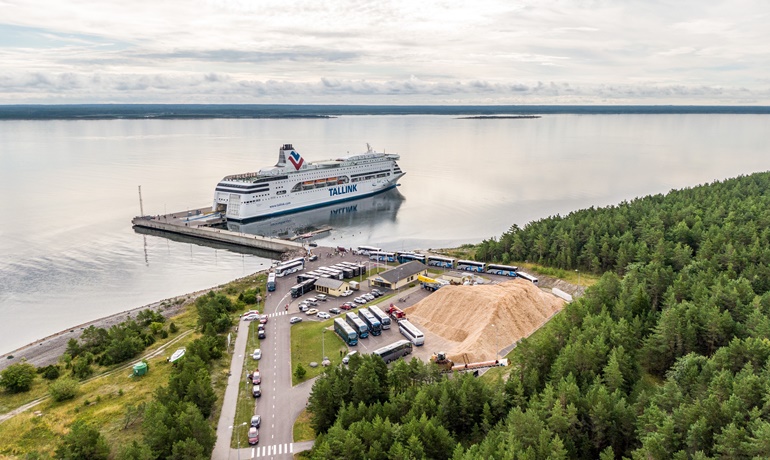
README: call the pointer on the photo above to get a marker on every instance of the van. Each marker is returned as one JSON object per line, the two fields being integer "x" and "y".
{"x": 354, "y": 285}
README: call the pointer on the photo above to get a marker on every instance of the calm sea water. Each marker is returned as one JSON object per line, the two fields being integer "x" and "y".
{"x": 68, "y": 190}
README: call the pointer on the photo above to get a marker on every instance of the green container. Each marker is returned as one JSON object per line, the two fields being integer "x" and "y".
{"x": 140, "y": 369}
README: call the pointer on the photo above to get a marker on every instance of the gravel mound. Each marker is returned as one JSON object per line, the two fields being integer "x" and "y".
{"x": 465, "y": 315}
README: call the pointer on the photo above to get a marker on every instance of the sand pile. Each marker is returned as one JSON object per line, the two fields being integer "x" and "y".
{"x": 464, "y": 315}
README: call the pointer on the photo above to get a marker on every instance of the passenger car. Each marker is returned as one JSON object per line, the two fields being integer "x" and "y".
{"x": 253, "y": 435}
{"x": 312, "y": 258}
{"x": 256, "y": 379}
{"x": 321, "y": 297}
{"x": 295, "y": 319}
{"x": 335, "y": 310}
{"x": 346, "y": 359}
{"x": 257, "y": 354}
{"x": 311, "y": 312}
{"x": 263, "y": 319}
{"x": 256, "y": 391}
{"x": 360, "y": 300}
{"x": 256, "y": 420}
{"x": 323, "y": 315}
{"x": 368, "y": 297}
{"x": 261, "y": 334}
{"x": 347, "y": 293}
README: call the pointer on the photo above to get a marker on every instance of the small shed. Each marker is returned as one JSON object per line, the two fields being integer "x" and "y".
{"x": 140, "y": 369}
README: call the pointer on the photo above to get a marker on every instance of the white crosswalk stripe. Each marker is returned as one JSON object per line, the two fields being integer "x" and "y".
{"x": 280, "y": 313}
{"x": 277, "y": 449}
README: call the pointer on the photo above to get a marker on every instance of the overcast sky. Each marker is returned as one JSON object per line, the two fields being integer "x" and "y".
{"x": 386, "y": 52}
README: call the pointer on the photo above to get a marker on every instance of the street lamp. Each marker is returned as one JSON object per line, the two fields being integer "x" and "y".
{"x": 578, "y": 273}
{"x": 238, "y": 436}
{"x": 323, "y": 344}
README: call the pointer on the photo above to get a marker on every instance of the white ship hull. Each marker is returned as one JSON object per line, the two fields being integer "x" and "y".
{"x": 297, "y": 185}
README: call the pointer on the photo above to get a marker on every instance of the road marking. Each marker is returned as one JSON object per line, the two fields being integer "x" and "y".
{"x": 252, "y": 452}
{"x": 280, "y": 449}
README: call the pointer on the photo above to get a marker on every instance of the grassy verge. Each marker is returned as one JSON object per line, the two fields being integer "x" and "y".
{"x": 302, "y": 429}
{"x": 307, "y": 342}
{"x": 244, "y": 408}
{"x": 570, "y": 276}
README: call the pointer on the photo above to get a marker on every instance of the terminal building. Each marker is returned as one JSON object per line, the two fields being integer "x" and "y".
{"x": 331, "y": 286}
{"x": 400, "y": 276}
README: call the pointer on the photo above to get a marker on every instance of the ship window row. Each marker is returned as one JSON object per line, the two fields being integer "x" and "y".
{"x": 369, "y": 177}
{"x": 320, "y": 183}
{"x": 369, "y": 173}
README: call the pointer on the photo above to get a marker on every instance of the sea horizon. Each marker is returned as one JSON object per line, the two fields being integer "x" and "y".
{"x": 104, "y": 111}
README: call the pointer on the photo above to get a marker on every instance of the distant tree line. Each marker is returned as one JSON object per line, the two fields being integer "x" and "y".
{"x": 666, "y": 356}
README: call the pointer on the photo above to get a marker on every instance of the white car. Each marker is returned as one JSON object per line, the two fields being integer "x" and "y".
{"x": 321, "y": 297}
{"x": 346, "y": 359}
{"x": 360, "y": 300}
{"x": 347, "y": 293}
{"x": 257, "y": 354}
{"x": 323, "y": 315}
{"x": 295, "y": 319}
{"x": 368, "y": 297}
{"x": 252, "y": 317}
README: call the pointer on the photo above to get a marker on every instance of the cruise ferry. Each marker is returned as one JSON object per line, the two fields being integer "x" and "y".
{"x": 295, "y": 184}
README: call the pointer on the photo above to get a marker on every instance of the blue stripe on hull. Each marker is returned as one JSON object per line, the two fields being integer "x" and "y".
{"x": 312, "y": 206}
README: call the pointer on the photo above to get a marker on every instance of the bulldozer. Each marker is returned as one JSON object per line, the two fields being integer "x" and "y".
{"x": 441, "y": 360}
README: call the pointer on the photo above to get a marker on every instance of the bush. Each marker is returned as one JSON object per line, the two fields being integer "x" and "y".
{"x": 300, "y": 372}
{"x": 172, "y": 328}
{"x": 83, "y": 442}
{"x": 63, "y": 389}
{"x": 18, "y": 378}
{"x": 51, "y": 372}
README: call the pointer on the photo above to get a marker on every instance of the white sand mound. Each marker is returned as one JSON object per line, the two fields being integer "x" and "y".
{"x": 464, "y": 315}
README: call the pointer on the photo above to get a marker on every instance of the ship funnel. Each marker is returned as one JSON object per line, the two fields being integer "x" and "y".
{"x": 286, "y": 148}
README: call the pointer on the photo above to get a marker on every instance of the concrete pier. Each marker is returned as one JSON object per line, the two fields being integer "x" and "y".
{"x": 197, "y": 222}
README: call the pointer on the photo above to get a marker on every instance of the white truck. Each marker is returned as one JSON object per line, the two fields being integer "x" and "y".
{"x": 354, "y": 285}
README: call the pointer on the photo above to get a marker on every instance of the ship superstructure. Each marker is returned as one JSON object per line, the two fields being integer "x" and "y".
{"x": 295, "y": 184}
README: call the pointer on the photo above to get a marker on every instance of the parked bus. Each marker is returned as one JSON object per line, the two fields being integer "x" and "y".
{"x": 359, "y": 326}
{"x": 290, "y": 267}
{"x": 381, "y": 316}
{"x": 302, "y": 288}
{"x": 527, "y": 276}
{"x": 438, "y": 261}
{"x": 346, "y": 333}
{"x": 404, "y": 257}
{"x": 305, "y": 276}
{"x": 355, "y": 267}
{"x": 392, "y": 352}
{"x": 383, "y": 256}
{"x": 413, "y": 334}
{"x": 336, "y": 274}
{"x": 507, "y": 270}
{"x": 271, "y": 282}
{"x": 471, "y": 266}
{"x": 366, "y": 250}
{"x": 347, "y": 272}
{"x": 374, "y": 325}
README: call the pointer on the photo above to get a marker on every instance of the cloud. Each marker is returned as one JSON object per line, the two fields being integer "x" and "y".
{"x": 400, "y": 50}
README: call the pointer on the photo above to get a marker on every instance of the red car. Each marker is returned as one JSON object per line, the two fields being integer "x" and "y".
{"x": 346, "y": 306}
{"x": 253, "y": 435}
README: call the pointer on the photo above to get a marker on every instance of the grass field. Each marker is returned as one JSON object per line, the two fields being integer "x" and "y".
{"x": 245, "y": 406}
{"x": 309, "y": 343}
{"x": 302, "y": 429}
